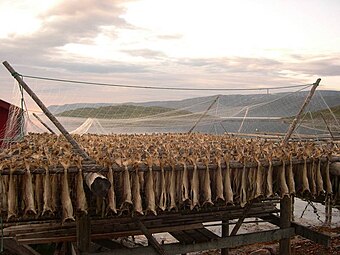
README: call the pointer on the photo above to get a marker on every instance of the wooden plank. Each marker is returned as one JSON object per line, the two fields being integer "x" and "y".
{"x": 225, "y": 233}
{"x": 285, "y": 222}
{"x": 11, "y": 245}
{"x": 182, "y": 237}
{"x": 157, "y": 247}
{"x": 241, "y": 219}
{"x": 299, "y": 114}
{"x": 109, "y": 244}
{"x": 303, "y": 231}
{"x": 229, "y": 242}
{"x": 83, "y": 230}
{"x": 208, "y": 234}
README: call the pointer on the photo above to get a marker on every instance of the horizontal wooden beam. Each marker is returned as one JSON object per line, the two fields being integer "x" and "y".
{"x": 92, "y": 167}
{"x": 227, "y": 242}
{"x": 303, "y": 231}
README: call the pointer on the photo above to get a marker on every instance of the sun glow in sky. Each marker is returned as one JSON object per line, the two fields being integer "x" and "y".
{"x": 191, "y": 43}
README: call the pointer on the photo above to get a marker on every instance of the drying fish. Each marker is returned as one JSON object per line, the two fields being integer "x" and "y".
{"x": 81, "y": 197}
{"x": 173, "y": 188}
{"x": 47, "y": 191}
{"x": 136, "y": 192}
{"x": 65, "y": 193}
{"x": 319, "y": 181}
{"x": 28, "y": 190}
{"x": 149, "y": 189}
{"x": 194, "y": 191}
{"x": 163, "y": 196}
{"x": 282, "y": 180}
{"x": 259, "y": 179}
{"x": 243, "y": 192}
{"x": 12, "y": 196}
{"x": 305, "y": 183}
{"x": 328, "y": 179}
{"x": 291, "y": 182}
{"x": 38, "y": 192}
{"x": 206, "y": 184}
{"x": 3, "y": 188}
{"x": 228, "y": 192}
{"x": 219, "y": 180}
{"x": 126, "y": 186}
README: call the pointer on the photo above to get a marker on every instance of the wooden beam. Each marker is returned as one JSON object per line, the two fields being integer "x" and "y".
{"x": 11, "y": 245}
{"x": 83, "y": 229}
{"x": 299, "y": 114}
{"x": 285, "y": 222}
{"x": 43, "y": 123}
{"x": 157, "y": 247}
{"x": 91, "y": 167}
{"x": 229, "y": 242}
{"x": 47, "y": 112}
{"x": 225, "y": 233}
{"x": 241, "y": 219}
{"x": 303, "y": 231}
{"x": 200, "y": 118}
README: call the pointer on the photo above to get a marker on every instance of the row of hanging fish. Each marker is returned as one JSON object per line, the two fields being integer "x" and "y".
{"x": 193, "y": 171}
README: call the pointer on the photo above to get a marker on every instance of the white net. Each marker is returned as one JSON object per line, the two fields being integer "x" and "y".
{"x": 105, "y": 109}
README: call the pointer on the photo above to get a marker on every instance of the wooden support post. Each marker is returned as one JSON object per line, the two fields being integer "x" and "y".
{"x": 285, "y": 222}
{"x": 43, "y": 123}
{"x": 69, "y": 138}
{"x": 225, "y": 233}
{"x": 298, "y": 116}
{"x": 83, "y": 227}
{"x": 158, "y": 248}
{"x": 201, "y": 117}
{"x": 328, "y": 128}
{"x": 328, "y": 210}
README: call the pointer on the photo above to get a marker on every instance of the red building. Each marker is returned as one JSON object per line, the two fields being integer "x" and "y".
{"x": 17, "y": 126}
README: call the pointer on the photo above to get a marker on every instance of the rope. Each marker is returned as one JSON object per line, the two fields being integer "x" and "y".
{"x": 158, "y": 87}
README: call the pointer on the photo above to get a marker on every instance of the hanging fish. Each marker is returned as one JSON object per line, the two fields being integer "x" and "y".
{"x": 28, "y": 190}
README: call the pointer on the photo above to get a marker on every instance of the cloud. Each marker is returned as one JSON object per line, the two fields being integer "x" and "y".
{"x": 145, "y": 53}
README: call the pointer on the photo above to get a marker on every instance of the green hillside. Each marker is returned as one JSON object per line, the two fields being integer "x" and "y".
{"x": 121, "y": 112}
{"x": 326, "y": 113}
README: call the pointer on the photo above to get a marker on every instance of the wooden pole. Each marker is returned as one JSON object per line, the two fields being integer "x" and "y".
{"x": 45, "y": 110}
{"x": 43, "y": 123}
{"x": 225, "y": 233}
{"x": 328, "y": 128}
{"x": 298, "y": 116}
{"x": 193, "y": 127}
{"x": 285, "y": 222}
{"x": 83, "y": 229}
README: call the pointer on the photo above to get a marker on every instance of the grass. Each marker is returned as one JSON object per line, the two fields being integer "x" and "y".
{"x": 121, "y": 112}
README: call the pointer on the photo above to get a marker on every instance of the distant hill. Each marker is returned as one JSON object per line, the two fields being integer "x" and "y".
{"x": 326, "y": 113}
{"x": 121, "y": 112}
{"x": 259, "y": 105}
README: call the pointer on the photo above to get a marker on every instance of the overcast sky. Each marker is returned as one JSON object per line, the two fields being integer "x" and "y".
{"x": 177, "y": 43}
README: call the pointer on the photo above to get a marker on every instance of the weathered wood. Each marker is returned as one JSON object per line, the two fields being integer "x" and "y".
{"x": 205, "y": 112}
{"x": 109, "y": 244}
{"x": 225, "y": 233}
{"x": 43, "y": 123}
{"x": 83, "y": 228}
{"x": 241, "y": 219}
{"x": 303, "y": 231}
{"x": 328, "y": 128}
{"x": 90, "y": 167}
{"x": 157, "y": 247}
{"x": 229, "y": 242}
{"x": 299, "y": 114}
{"x": 45, "y": 110}
{"x": 11, "y": 245}
{"x": 285, "y": 222}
